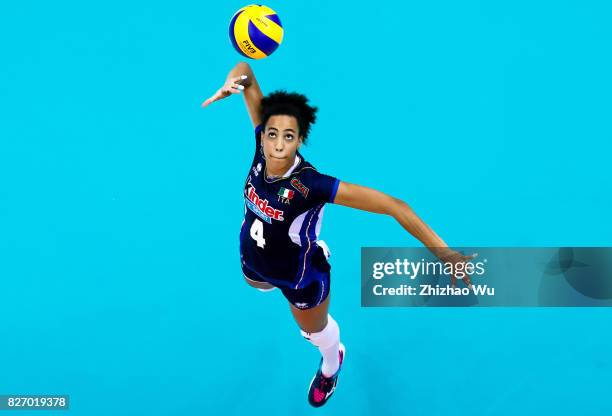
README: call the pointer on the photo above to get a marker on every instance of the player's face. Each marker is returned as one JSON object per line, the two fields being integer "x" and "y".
{"x": 281, "y": 141}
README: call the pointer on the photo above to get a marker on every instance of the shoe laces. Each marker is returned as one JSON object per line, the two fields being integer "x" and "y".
{"x": 325, "y": 383}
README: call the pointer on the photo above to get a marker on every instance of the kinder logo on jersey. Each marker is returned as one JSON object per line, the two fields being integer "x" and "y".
{"x": 261, "y": 208}
{"x": 295, "y": 182}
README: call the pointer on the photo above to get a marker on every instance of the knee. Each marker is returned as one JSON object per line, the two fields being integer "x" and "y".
{"x": 326, "y": 337}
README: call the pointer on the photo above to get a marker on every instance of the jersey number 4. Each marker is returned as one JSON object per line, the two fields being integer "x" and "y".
{"x": 257, "y": 233}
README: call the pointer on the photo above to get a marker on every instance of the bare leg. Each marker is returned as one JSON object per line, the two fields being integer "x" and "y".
{"x": 259, "y": 285}
{"x": 313, "y": 319}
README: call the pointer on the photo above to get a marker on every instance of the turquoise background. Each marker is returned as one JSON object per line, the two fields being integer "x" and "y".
{"x": 120, "y": 202}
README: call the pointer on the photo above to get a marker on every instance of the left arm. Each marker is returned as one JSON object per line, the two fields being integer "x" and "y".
{"x": 368, "y": 199}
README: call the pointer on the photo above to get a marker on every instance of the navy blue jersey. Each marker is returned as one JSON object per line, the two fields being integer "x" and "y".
{"x": 282, "y": 221}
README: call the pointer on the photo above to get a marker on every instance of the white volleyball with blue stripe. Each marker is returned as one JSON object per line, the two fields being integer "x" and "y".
{"x": 256, "y": 31}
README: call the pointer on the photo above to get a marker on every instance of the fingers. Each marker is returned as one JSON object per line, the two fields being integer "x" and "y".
{"x": 210, "y": 100}
{"x": 468, "y": 258}
{"x": 239, "y": 78}
{"x": 233, "y": 88}
{"x": 466, "y": 278}
{"x": 467, "y": 281}
{"x": 236, "y": 88}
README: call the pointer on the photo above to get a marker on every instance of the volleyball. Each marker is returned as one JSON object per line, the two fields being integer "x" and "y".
{"x": 255, "y": 31}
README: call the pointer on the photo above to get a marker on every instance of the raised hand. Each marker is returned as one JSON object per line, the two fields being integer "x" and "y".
{"x": 231, "y": 86}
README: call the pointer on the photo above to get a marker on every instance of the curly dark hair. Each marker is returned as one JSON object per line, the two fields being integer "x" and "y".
{"x": 289, "y": 104}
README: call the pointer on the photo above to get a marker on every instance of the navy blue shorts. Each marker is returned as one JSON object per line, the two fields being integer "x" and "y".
{"x": 308, "y": 297}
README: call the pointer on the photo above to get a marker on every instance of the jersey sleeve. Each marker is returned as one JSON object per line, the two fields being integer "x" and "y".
{"x": 323, "y": 187}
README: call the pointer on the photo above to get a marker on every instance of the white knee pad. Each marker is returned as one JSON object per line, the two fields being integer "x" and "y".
{"x": 327, "y": 337}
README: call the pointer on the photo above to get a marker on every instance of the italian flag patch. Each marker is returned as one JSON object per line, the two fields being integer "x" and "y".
{"x": 285, "y": 193}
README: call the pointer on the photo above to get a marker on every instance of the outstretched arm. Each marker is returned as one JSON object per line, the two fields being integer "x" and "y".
{"x": 241, "y": 79}
{"x": 368, "y": 199}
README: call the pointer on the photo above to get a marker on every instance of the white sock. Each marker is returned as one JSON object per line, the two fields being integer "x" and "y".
{"x": 328, "y": 342}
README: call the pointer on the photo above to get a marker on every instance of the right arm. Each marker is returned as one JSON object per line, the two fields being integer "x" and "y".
{"x": 241, "y": 79}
